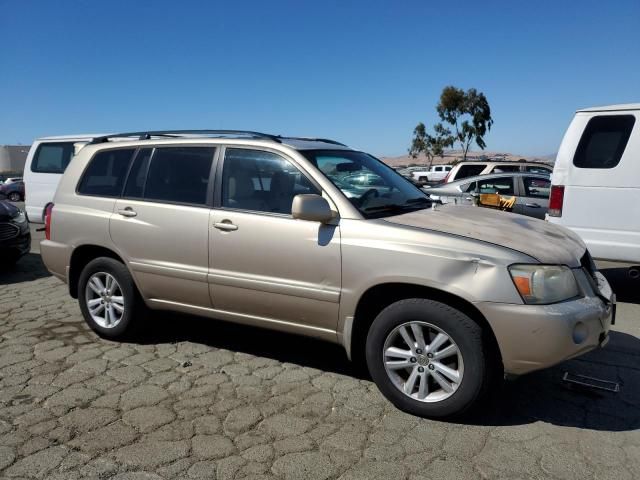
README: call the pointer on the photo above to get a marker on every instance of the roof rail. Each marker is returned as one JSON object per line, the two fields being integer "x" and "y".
{"x": 177, "y": 133}
{"x": 311, "y": 139}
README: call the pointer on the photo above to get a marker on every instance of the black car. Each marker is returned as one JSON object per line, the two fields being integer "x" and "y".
{"x": 15, "y": 239}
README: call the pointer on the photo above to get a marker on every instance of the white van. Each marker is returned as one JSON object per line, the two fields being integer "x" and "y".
{"x": 47, "y": 160}
{"x": 596, "y": 181}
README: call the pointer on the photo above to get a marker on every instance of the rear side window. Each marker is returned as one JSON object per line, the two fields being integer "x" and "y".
{"x": 603, "y": 141}
{"x": 52, "y": 157}
{"x": 537, "y": 187}
{"x": 105, "y": 175}
{"x": 505, "y": 169}
{"x": 469, "y": 171}
{"x": 538, "y": 169}
{"x": 179, "y": 175}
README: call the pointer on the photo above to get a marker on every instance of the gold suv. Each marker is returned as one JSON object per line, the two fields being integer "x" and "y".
{"x": 275, "y": 232}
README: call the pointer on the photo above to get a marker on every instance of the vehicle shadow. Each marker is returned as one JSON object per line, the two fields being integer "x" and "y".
{"x": 27, "y": 269}
{"x": 169, "y": 327}
{"x": 626, "y": 289}
{"x": 544, "y": 396}
{"x": 540, "y": 396}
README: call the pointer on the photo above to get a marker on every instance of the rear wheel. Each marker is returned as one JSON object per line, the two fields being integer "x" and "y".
{"x": 427, "y": 358}
{"x": 109, "y": 300}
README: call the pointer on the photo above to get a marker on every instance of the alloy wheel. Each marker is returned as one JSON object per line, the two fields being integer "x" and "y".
{"x": 105, "y": 300}
{"x": 423, "y": 361}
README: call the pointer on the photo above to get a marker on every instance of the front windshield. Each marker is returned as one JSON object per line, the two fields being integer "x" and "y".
{"x": 375, "y": 189}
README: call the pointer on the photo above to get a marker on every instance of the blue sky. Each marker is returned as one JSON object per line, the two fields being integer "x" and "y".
{"x": 363, "y": 72}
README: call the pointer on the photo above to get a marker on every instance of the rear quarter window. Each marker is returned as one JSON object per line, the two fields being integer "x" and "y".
{"x": 505, "y": 169}
{"x": 469, "y": 171}
{"x": 603, "y": 141}
{"x": 52, "y": 157}
{"x": 106, "y": 173}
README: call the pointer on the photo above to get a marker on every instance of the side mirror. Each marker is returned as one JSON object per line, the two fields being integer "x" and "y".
{"x": 311, "y": 207}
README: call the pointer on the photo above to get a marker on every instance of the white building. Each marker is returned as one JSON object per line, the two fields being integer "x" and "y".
{"x": 12, "y": 158}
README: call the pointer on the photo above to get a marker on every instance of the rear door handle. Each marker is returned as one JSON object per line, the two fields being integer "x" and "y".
{"x": 532, "y": 205}
{"x": 127, "y": 212}
{"x": 225, "y": 225}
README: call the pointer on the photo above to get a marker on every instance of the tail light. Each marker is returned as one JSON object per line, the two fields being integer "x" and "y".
{"x": 556, "y": 200}
{"x": 47, "y": 221}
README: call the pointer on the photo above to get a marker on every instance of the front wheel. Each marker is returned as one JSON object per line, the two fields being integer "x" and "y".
{"x": 109, "y": 300}
{"x": 427, "y": 358}
{"x": 15, "y": 197}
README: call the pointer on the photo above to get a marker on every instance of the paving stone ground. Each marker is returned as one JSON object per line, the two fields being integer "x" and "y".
{"x": 197, "y": 399}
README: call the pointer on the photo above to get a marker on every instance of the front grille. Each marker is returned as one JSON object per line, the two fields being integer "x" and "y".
{"x": 588, "y": 264}
{"x": 8, "y": 230}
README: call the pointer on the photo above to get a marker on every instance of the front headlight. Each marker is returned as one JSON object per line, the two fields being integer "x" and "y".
{"x": 20, "y": 217}
{"x": 544, "y": 284}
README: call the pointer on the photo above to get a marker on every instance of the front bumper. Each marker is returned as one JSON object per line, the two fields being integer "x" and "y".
{"x": 532, "y": 337}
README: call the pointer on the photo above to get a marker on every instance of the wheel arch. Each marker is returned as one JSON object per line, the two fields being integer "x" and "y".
{"x": 80, "y": 257}
{"x": 378, "y": 297}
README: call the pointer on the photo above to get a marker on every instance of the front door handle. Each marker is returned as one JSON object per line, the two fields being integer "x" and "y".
{"x": 532, "y": 205}
{"x": 225, "y": 225}
{"x": 127, "y": 212}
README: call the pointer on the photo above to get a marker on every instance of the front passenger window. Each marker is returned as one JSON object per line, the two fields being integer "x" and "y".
{"x": 502, "y": 186}
{"x": 261, "y": 181}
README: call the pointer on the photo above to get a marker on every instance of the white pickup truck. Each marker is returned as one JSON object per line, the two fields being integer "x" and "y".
{"x": 436, "y": 173}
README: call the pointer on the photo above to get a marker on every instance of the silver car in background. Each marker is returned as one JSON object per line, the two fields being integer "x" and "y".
{"x": 530, "y": 189}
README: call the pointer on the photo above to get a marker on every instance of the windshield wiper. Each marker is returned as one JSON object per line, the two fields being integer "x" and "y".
{"x": 417, "y": 200}
{"x": 411, "y": 204}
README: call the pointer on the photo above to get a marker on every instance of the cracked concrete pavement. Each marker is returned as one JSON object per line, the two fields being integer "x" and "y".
{"x": 197, "y": 399}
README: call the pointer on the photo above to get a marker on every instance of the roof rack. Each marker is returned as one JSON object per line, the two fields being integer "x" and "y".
{"x": 311, "y": 139}
{"x": 177, "y": 133}
{"x": 220, "y": 133}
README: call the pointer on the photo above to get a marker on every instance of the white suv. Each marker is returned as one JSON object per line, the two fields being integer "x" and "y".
{"x": 471, "y": 169}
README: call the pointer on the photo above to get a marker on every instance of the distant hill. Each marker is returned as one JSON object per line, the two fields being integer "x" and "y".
{"x": 453, "y": 155}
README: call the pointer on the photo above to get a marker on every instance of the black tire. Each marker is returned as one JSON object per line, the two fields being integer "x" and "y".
{"x": 467, "y": 335}
{"x": 10, "y": 259}
{"x": 15, "y": 197}
{"x": 135, "y": 309}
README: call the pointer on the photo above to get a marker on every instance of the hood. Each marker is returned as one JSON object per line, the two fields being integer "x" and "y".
{"x": 546, "y": 242}
{"x": 7, "y": 210}
{"x": 443, "y": 190}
